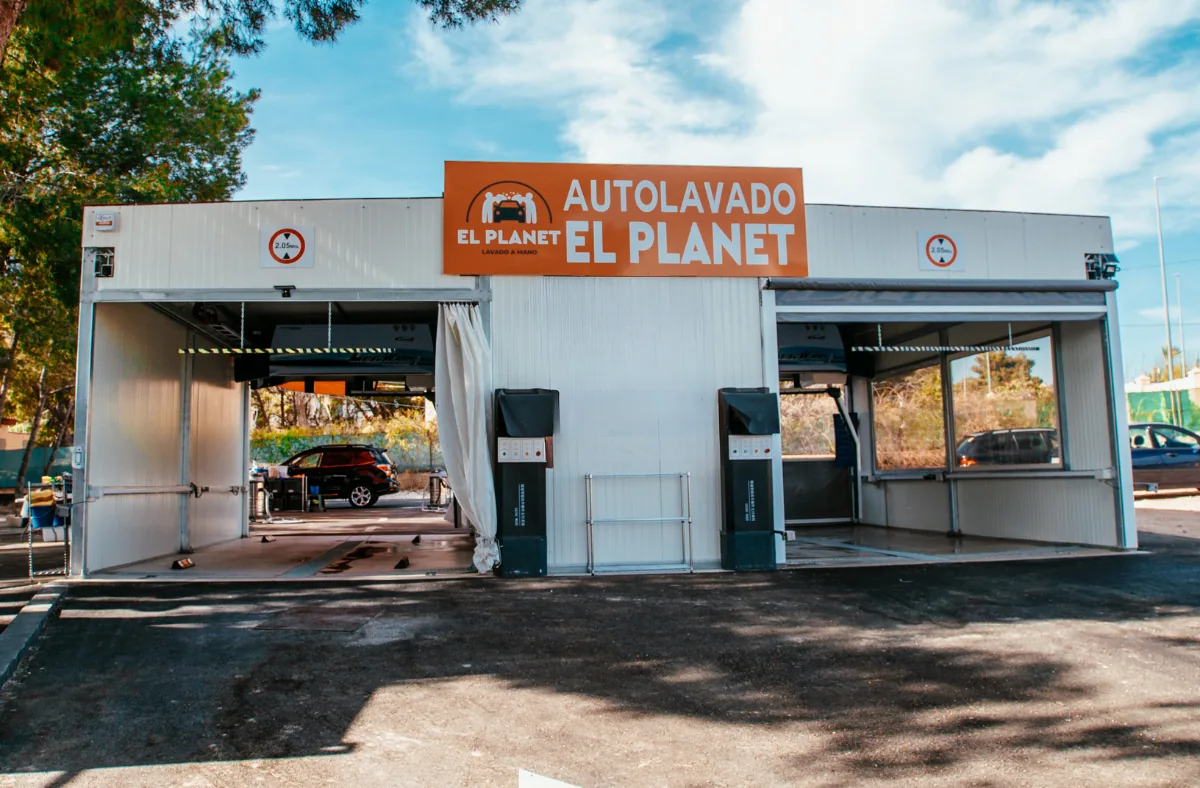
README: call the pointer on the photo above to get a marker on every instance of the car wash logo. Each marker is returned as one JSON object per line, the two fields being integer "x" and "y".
{"x": 514, "y": 218}
{"x": 622, "y": 220}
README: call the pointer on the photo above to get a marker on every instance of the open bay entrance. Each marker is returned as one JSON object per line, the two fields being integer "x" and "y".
{"x": 818, "y": 479}
{"x": 981, "y": 422}
{"x": 269, "y": 439}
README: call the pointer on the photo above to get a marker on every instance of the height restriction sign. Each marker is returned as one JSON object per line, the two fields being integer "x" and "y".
{"x": 286, "y": 246}
{"x": 938, "y": 251}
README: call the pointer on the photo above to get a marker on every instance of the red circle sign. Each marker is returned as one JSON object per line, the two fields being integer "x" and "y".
{"x": 941, "y": 251}
{"x": 286, "y": 246}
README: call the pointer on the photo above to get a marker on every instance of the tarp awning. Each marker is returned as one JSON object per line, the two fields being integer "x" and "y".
{"x": 798, "y": 300}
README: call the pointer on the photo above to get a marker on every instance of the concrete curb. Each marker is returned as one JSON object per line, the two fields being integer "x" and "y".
{"x": 16, "y": 639}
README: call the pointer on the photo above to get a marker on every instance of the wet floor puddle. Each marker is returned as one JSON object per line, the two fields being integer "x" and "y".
{"x": 364, "y": 551}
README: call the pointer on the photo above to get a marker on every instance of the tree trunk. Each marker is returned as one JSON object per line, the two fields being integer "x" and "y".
{"x": 10, "y": 10}
{"x": 58, "y": 439}
{"x": 262, "y": 419}
{"x": 300, "y": 408}
{"x": 33, "y": 429}
{"x": 8, "y": 366}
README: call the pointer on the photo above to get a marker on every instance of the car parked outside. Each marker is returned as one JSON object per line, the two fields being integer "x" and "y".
{"x": 356, "y": 473}
{"x": 1027, "y": 446}
{"x": 1164, "y": 455}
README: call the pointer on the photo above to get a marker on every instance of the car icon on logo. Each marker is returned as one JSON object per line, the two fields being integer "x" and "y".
{"x": 508, "y": 211}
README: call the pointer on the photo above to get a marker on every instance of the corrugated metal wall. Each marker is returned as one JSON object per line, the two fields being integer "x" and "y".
{"x": 1085, "y": 395}
{"x": 397, "y": 243}
{"x": 917, "y": 504}
{"x": 846, "y": 242}
{"x": 134, "y": 435}
{"x": 360, "y": 244}
{"x": 1076, "y": 511}
{"x": 1058, "y": 510}
{"x": 217, "y": 445}
{"x": 638, "y": 364}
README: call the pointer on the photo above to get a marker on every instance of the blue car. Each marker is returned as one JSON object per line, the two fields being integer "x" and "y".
{"x": 1164, "y": 456}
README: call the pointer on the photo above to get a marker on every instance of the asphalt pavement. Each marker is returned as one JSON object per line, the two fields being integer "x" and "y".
{"x": 1060, "y": 672}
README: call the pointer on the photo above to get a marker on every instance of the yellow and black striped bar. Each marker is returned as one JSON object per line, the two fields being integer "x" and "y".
{"x": 941, "y": 348}
{"x": 295, "y": 351}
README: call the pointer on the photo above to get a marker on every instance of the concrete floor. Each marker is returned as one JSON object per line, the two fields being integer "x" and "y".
{"x": 300, "y": 557}
{"x": 1038, "y": 673}
{"x": 370, "y": 543}
{"x": 870, "y": 544}
{"x": 342, "y": 541}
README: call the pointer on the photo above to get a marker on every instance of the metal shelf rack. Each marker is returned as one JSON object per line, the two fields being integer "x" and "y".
{"x": 684, "y": 519}
{"x": 62, "y": 491}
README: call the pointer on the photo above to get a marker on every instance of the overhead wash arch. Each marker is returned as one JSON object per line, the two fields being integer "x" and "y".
{"x": 636, "y": 294}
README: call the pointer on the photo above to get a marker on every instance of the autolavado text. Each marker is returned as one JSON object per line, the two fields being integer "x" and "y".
{"x": 740, "y": 243}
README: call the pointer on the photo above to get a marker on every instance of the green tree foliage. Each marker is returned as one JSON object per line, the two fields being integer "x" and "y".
{"x": 121, "y": 101}
{"x": 144, "y": 125}
{"x": 288, "y": 422}
{"x": 1005, "y": 371}
{"x": 1179, "y": 366}
{"x": 909, "y": 424}
{"x": 89, "y": 28}
{"x": 1016, "y": 397}
{"x": 94, "y": 125}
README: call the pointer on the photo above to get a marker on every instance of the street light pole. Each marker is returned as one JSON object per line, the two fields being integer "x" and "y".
{"x": 1162, "y": 266}
{"x": 1183, "y": 367}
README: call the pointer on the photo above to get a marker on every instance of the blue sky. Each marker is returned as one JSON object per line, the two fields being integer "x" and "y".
{"x": 1063, "y": 106}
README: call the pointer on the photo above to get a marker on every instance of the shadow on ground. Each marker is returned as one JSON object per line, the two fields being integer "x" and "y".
{"x": 902, "y": 671}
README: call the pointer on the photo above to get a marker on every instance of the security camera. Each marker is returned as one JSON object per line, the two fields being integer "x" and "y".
{"x": 285, "y": 290}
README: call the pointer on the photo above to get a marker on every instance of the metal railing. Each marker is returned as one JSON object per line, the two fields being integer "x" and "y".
{"x": 684, "y": 519}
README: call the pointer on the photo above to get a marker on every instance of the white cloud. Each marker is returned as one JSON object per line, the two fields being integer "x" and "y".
{"x": 1155, "y": 313}
{"x": 1039, "y": 106}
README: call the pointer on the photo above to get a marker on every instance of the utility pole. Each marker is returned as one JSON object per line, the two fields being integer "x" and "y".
{"x": 1162, "y": 267}
{"x": 1183, "y": 370}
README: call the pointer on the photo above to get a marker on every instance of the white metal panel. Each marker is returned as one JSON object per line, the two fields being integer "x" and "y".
{"x": 917, "y": 504}
{"x": 387, "y": 244}
{"x": 397, "y": 243}
{"x": 1118, "y": 410}
{"x": 134, "y": 437}
{"x": 873, "y": 507}
{"x": 217, "y": 445}
{"x": 849, "y": 242}
{"x": 1085, "y": 397}
{"x": 769, "y": 332}
{"x": 1070, "y": 510}
{"x": 638, "y": 364}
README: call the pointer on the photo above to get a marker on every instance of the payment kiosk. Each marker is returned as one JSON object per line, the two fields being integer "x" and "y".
{"x": 748, "y": 420}
{"x": 524, "y": 444}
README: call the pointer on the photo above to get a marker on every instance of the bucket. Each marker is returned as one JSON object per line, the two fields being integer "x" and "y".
{"x": 41, "y": 517}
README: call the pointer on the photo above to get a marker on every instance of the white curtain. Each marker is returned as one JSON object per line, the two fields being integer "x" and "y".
{"x": 463, "y": 382}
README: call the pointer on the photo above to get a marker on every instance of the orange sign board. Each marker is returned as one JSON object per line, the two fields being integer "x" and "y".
{"x": 623, "y": 220}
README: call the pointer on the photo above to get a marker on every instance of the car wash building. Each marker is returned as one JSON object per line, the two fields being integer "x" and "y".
{"x": 634, "y": 369}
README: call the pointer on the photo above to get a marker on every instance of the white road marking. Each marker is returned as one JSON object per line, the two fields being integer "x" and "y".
{"x": 530, "y": 780}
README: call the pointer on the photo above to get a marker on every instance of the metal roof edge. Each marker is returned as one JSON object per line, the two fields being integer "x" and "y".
{"x": 961, "y": 285}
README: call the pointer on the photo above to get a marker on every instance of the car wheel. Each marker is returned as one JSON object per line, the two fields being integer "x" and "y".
{"x": 362, "y": 496}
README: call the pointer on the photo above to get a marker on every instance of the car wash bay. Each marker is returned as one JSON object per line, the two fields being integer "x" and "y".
{"x": 169, "y": 450}
{"x": 981, "y": 422}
